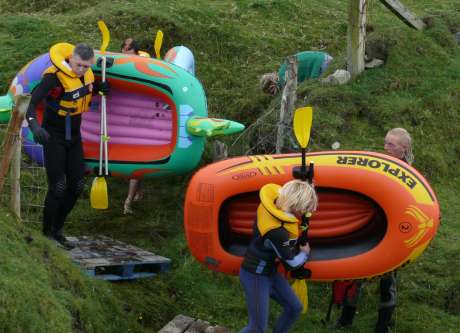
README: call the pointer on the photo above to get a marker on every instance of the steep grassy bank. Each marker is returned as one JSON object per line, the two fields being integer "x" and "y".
{"x": 41, "y": 291}
{"x": 234, "y": 42}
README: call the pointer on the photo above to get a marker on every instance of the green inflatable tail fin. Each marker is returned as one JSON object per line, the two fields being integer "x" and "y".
{"x": 6, "y": 106}
{"x": 209, "y": 127}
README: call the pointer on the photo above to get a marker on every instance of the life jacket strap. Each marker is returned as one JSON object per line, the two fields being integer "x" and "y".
{"x": 64, "y": 111}
{"x": 68, "y": 125}
{"x": 76, "y": 94}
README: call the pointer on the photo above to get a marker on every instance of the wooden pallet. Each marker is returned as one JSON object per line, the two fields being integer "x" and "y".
{"x": 185, "y": 324}
{"x": 108, "y": 259}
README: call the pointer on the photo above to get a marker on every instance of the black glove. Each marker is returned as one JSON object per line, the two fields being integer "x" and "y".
{"x": 104, "y": 88}
{"x": 301, "y": 273}
{"x": 41, "y": 136}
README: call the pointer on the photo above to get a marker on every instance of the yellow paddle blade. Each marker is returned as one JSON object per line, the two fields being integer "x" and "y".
{"x": 301, "y": 291}
{"x": 98, "y": 196}
{"x": 105, "y": 35}
{"x": 302, "y": 125}
{"x": 158, "y": 43}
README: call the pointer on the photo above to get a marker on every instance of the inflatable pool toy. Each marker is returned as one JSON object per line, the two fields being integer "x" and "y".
{"x": 181, "y": 56}
{"x": 6, "y": 105}
{"x": 375, "y": 214}
{"x": 33, "y": 150}
{"x": 156, "y": 112}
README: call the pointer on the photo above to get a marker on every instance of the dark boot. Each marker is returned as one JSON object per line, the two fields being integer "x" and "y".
{"x": 384, "y": 320}
{"x": 59, "y": 237}
{"x": 47, "y": 228}
{"x": 346, "y": 318}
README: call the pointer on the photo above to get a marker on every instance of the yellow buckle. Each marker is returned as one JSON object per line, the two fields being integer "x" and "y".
{"x": 64, "y": 113}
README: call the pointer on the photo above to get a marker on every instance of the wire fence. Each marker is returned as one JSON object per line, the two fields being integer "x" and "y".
{"x": 33, "y": 185}
{"x": 260, "y": 137}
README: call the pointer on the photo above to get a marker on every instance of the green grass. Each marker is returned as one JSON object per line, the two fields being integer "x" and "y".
{"x": 42, "y": 291}
{"x": 234, "y": 42}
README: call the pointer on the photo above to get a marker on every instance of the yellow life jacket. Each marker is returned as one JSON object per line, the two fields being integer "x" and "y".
{"x": 77, "y": 95}
{"x": 270, "y": 217}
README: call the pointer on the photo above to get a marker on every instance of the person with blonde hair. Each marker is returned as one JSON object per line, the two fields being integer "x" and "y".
{"x": 276, "y": 236}
{"x": 310, "y": 65}
{"x": 398, "y": 143}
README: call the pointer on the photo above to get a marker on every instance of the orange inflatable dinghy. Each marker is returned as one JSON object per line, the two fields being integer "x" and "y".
{"x": 375, "y": 213}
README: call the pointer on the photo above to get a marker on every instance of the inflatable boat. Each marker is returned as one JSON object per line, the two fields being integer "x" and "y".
{"x": 375, "y": 213}
{"x": 156, "y": 113}
{"x": 6, "y": 104}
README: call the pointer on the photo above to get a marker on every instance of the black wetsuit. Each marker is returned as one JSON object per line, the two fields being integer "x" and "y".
{"x": 263, "y": 251}
{"x": 387, "y": 304}
{"x": 63, "y": 157}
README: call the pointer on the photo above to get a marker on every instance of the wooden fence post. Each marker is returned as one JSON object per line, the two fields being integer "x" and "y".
{"x": 287, "y": 103}
{"x": 12, "y": 136}
{"x": 15, "y": 178}
{"x": 404, "y": 14}
{"x": 220, "y": 151}
{"x": 356, "y": 44}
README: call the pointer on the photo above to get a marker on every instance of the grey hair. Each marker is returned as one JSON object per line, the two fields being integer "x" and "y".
{"x": 84, "y": 51}
{"x": 406, "y": 141}
{"x": 269, "y": 83}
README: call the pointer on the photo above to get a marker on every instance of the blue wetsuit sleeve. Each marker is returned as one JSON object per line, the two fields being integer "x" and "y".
{"x": 298, "y": 260}
{"x": 285, "y": 249}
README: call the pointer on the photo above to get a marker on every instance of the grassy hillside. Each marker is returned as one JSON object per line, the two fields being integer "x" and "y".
{"x": 41, "y": 291}
{"x": 234, "y": 42}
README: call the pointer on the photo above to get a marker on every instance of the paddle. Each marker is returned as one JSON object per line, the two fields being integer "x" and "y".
{"x": 302, "y": 125}
{"x": 98, "y": 196}
{"x": 158, "y": 43}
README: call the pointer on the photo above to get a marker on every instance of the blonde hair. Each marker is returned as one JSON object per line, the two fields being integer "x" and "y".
{"x": 405, "y": 141}
{"x": 297, "y": 196}
{"x": 269, "y": 83}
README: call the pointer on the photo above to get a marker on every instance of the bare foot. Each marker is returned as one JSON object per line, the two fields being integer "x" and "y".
{"x": 139, "y": 195}
{"x": 127, "y": 207}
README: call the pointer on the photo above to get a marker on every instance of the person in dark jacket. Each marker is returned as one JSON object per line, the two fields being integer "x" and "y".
{"x": 65, "y": 91}
{"x": 398, "y": 143}
{"x": 275, "y": 238}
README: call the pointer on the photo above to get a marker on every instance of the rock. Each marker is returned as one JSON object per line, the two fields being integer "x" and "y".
{"x": 217, "y": 329}
{"x": 374, "y": 63}
{"x": 377, "y": 47}
{"x": 198, "y": 326}
{"x": 185, "y": 324}
{"x": 340, "y": 76}
{"x": 178, "y": 325}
